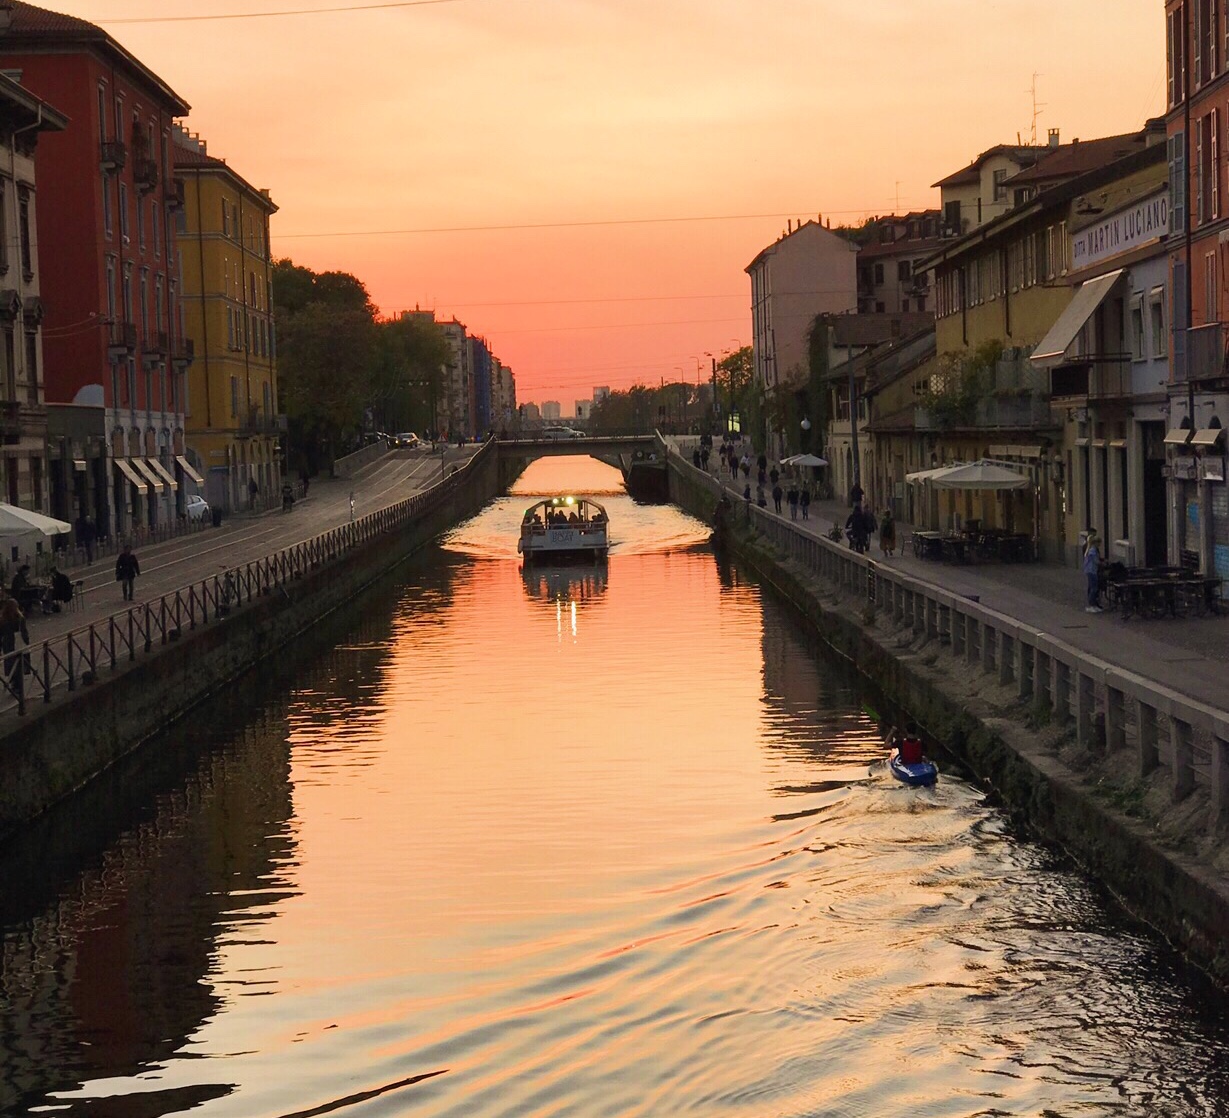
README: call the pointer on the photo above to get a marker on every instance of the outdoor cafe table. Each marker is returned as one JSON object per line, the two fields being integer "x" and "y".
{"x": 928, "y": 545}
{"x": 1162, "y": 592}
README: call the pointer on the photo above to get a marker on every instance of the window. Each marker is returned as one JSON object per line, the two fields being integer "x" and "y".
{"x": 23, "y": 232}
{"x": 102, "y": 114}
{"x": 32, "y": 366}
{"x": 111, "y": 288}
{"x": 902, "y": 270}
{"x": 879, "y": 308}
{"x": 159, "y": 305}
{"x": 1207, "y": 192}
{"x": 1137, "y": 326}
{"x": 1156, "y": 322}
{"x": 1000, "y": 185}
{"x": 4, "y": 232}
{"x": 1210, "y": 302}
{"x": 123, "y": 211}
{"x": 234, "y": 396}
{"x": 141, "y": 222}
{"x": 127, "y": 292}
{"x": 225, "y": 218}
{"x": 108, "y": 225}
{"x": 879, "y": 273}
{"x": 132, "y": 382}
{"x": 904, "y": 305}
{"x": 144, "y": 290}
{"x": 156, "y": 213}
{"x": 1177, "y": 181}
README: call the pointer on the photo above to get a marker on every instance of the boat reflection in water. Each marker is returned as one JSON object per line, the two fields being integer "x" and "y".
{"x": 568, "y": 588}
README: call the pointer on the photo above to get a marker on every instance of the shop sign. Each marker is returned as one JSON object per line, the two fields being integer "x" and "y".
{"x": 1121, "y": 232}
{"x": 1184, "y": 467}
{"x": 1212, "y": 469}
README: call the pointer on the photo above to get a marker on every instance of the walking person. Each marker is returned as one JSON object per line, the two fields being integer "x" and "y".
{"x": 1092, "y": 573}
{"x": 86, "y": 534}
{"x": 791, "y": 499}
{"x": 887, "y": 533}
{"x": 804, "y": 503}
{"x": 253, "y": 493}
{"x": 126, "y": 570}
{"x": 760, "y": 499}
{"x": 12, "y": 622}
{"x": 858, "y": 529}
{"x": 777, "y": 494}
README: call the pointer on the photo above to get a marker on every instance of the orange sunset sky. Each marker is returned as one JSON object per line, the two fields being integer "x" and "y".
{"x": 583, "y": 182}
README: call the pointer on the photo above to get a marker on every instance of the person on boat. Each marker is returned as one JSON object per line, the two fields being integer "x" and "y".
{"x": 909, "y": 745}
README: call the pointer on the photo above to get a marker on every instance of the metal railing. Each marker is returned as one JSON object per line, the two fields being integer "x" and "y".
{"x": 1110, "y": 707}
{"x": 79, "y": 657}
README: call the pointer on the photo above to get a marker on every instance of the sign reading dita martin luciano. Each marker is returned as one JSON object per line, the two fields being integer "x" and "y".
{"x": 1123, "y": 231}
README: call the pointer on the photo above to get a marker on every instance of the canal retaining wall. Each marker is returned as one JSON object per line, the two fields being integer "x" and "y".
{"x": 71, "y": 735}
{"x": 1131, "y": 778}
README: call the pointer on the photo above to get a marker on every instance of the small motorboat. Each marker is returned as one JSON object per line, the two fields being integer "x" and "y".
{"x": 561, "y": 528}
{"x": 920, "y": 774}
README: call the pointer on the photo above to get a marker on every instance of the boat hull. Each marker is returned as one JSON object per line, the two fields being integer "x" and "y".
{"x": 920, "y": 775}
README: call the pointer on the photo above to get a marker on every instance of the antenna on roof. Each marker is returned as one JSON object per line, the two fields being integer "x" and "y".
{"x": 1037, "y": 107}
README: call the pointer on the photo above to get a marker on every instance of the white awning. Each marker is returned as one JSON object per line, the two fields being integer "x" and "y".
{"x": 163, "y": 473}
{"x": 1051, "y": 349}
{"x": 188, "y": 469}
{"x": 125, "y": 468}
{"x": 1179, "y": 436}
{"x": 1207, "y": 436}
{"x": 143, "y": 469}
{"x": 79, "y": 465}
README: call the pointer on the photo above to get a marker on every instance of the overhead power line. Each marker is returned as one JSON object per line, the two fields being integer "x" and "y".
{"x": 276, "y": 15}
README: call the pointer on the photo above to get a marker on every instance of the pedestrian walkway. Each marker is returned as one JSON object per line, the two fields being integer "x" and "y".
{"x": 1187, "y": 655}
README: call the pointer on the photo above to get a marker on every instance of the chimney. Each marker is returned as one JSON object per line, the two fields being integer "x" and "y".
{"x": 1053, "y": 137}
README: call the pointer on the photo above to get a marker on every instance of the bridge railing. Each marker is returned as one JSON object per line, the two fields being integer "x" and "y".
{"x": 80, "y": 657}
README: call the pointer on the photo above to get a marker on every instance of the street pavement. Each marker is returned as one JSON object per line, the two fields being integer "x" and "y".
{"x": 1187, "y": 654}
{"x": 246, "y": 536}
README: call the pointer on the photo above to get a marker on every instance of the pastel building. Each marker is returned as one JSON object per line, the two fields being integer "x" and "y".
{"x": 232, "y": 421}
{"x": 113, "y": 339}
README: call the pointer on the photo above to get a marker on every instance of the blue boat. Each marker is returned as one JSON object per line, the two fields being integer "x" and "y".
{"x": 919, "y": 775}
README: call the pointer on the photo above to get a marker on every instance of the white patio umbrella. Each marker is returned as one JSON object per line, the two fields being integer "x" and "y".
{"x": 16, "y": 521}
{"x": 804, "y": 460}
{"x": 979, "y": 475}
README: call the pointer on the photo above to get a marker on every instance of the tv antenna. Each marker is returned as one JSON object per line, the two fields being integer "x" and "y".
{"x": 1037, "y": 107}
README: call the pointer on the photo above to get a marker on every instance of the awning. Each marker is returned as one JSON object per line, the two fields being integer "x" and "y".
{"x": 163, "y": 473}
{"x": 925, "y": 475}
{"x": 1118, "y": 444}
{"x": 1207, "y": 436}
{"x": 980, "y": 475}
{"x": 125, "y": 468}
{"x": 79, "y": 465}
{"x": 148, "y": 474}
{"x": 1083, "y": 305}
{"x": 188, "y": 469}
{"x": 1179, "y": 436}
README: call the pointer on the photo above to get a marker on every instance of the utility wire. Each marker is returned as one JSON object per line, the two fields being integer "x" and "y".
{"x": 275, "y": 15}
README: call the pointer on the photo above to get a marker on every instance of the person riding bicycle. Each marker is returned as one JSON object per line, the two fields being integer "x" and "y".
{"x": 858, "y": 527}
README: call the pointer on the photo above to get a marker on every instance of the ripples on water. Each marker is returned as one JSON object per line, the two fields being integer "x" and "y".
{"x": 596, "y": 842}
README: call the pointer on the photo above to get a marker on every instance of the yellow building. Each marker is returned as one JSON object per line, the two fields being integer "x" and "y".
{"x": 232, "y": 424}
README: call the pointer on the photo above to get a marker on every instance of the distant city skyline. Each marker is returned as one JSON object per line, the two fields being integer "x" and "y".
{"x": 588, "y": 196}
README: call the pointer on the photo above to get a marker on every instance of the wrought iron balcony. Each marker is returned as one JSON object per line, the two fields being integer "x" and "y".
{"x": 1205, "y": 354}
{"x": 114, "y": 155}
{"x": 183, "y": 351}
{"x": 1095, "y": 378}
{"x": 123, "y": 339}
{"x": 174, "y": 195}
{"x": 154, "y": 347}
{"x": 145, "y": 174}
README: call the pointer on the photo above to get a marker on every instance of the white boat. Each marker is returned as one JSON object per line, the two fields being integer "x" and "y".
{"x": 561, "y": 528}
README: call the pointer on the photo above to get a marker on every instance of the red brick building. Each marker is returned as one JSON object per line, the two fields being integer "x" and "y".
{"x": 113, "y": 341}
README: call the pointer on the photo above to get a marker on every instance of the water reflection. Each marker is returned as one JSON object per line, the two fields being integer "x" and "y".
{"x": 579, "y": 584}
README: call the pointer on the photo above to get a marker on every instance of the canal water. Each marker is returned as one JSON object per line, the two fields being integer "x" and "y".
{"x": 599, "y": 842}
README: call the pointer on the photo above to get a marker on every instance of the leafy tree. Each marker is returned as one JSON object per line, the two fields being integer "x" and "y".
{"x": 408, "y": 375}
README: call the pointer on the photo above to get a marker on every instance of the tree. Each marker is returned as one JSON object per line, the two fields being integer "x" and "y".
{"x": 409, "y": 372}
{"x": 326, "y": 357}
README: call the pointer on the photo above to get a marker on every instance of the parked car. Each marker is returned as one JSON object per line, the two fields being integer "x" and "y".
{"x": 196, "y": 507}
{"x": 561, "y": 433}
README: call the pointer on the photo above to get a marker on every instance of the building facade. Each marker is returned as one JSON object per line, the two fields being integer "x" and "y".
{"x": 232, "y": 420}
{"x": 1197, "y": 98}
{"x": 889, "y": 279}
{"x": 113, "y": 336}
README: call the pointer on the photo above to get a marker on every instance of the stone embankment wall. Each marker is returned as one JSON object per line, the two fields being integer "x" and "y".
{"x": 1130, "y": 778}
{"x": 60, "y": 746}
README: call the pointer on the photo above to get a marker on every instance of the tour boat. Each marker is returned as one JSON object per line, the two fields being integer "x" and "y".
{"x": 561, "y": 528}
{"x": 920, "y": 775}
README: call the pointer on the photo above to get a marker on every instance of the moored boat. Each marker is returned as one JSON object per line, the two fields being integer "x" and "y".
{"x": 562, "y": 528}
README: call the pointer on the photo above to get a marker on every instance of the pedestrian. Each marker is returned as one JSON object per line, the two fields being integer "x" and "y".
{"x": 804, "y": 503}
{"x": 126, "y": 570}
{"x": 856, "y": 494}
{"x": 791, "y": 499}
{"x": 760, "y": 499}
{"x": 774, "y": 475}
{"x": 857, "y": 529}
{"x": 777, "y": 494}
{"x": 746, "y": 466}
{"x": 695, "y": 458}
{"x": 86, "y": 534}
{"x": 12, "y": 622}
{"x": 305, "y": 480}
{"x": 887, "y": 533}
{"x": 1092, "y": 572}
{"x": 253, "y": 493}
{"x": 705, "y": 453}
{"x": 351, "y": 506}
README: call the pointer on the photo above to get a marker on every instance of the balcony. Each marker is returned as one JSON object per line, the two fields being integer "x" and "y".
{"x": 183, "y": 351}
{"x": 123, "y": 340}
{"x": 114, "y": 155}
{"x": 145, "y": 174}
{"x": 174, "y": 195}
{"x": 1205, "y": 354}
{"x": 256, "y": 422}
{"x": 1096, "y": 378}
{"x": 155, "y": 347}
{"x": 1023, "y": 412}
